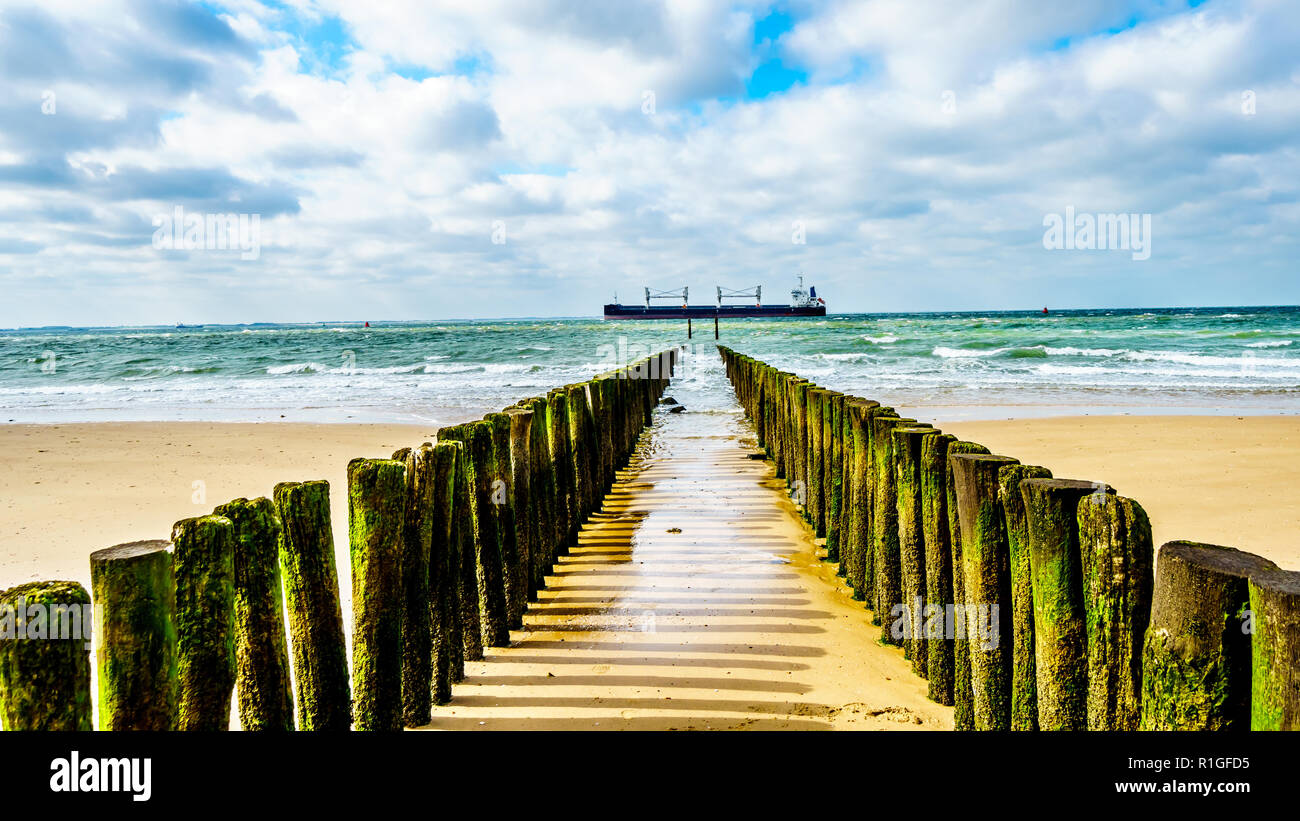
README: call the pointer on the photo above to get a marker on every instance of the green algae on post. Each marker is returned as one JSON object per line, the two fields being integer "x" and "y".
{"x": 986, "y": 577}
{"x": 963, "y": 715}
{"x": 135, "y": 635}
{"x": 1024, "y": 681}
{"x": 45, "y": 657}
{"x": 447, "y": 655}
{"x": 911, "y": 542}
{"x": 938, "y": 564}
{"x": 376, "y": 520}
{"x": 1117, "y": 556}
{"x": 1275, "y": 650}
{"x": 884, "y": 518}
{"x": 465, "y": 553}
{"x": 262, "y": 681}
{"x": 1196, "y": 660}
{"x": 417, "y": 574}
{"x": 1060, "y": 627}
{"x": 205, "y": 621}
{"x": 311, "y": 594}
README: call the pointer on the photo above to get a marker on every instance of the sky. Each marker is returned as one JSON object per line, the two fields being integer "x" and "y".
{"x": 414, "y": 160}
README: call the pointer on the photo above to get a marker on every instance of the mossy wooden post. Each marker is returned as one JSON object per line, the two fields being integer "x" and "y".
{"x": 45, "y": 659}
{"x": 938, "y": 565}
{"x": 541, "y": 495}
{"x": 376, "y": 522}
{"x": 1060, "y": 629}
{"x": 465, "y": 566}
{"x": 816, "y": 460}
{"x": 557, "y": 439}
{"x": 1196, "y": 660}
{"x": 1275, "y": 650}
{"x": 311, "y": 595}
{"x": 205, "y": 621}
{"x": 583, "y": 492}
{"x": 135, "y": 635}
{"x": 446, "y": 651}
{"x": 416, "y": 571}
{"x": 986, "y": 575}
{"x": 835, "y": 475}
{"x": 907, "y": 446}
{"x": 1117, "y": 555}
{"x": 884, "y": 525}
{"x": 799, "y": 484}
{"x": 861, "y": 571}
{"x": 521, "y": 500}
{"x": 963, "y": 714}
{"x": 489, "y": 574}
{"x": 263, "y": 686}
{"x": 1024, "y": 680}
{"x": 503, "y": 507}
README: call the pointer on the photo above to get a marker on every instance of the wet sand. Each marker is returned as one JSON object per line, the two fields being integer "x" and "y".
{"x": 694, "y": 600}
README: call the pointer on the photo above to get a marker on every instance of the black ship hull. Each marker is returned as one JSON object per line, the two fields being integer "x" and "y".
{"x": 708, "y": 312}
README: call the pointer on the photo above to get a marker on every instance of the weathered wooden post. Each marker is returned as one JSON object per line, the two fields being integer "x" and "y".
{"x": 311, "y": 594}
{"x": 135, "y": 635}
{"x": 1060, "y": 630}
{"x": 1275, "y": 650}
{"x": 557, "y": 438}
{"x": 1024, "y": 679}
{"x": 45, "y": 657}
{"x": 503, "y": 507}
{"x": 816, "y": 457}
{"x": 262, "y": 680}
{"x": 884, "y": 520}
{"x": 376, "y": 521}
{"x": 521, "y": 498}
{"x": 543, "y": 494}
{"x": 835, "y": 474}
{"x": 580, "y": 445}
{"x": 986, "y": 577}
{"x": 860, "y": 573}
{"x": 933, "y": 471}
{"x": 489, "y": 572}
{"x": 1196, "y": 661}
{"x": 447, "y": 651}
{"x": 1117, "y": 555}
{"x": 465, "y": 557}
{"x": 907, "y": 445}
{"x": 963, "y": 698}
{"x": 205, "y": 621}
{"x": 416, "y": 574}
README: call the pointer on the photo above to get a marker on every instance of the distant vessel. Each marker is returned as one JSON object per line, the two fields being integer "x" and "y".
{"x": 803, "y": 302}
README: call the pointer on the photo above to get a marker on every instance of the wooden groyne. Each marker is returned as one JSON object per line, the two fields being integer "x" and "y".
{"x": 448, "y": 543}
{"x": 1029, "y": 602}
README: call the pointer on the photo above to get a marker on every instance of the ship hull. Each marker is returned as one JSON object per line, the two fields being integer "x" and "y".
{"x": 708, "y": 312}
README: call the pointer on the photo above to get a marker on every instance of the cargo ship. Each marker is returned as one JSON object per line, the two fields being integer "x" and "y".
{"x": 803, "y": 302}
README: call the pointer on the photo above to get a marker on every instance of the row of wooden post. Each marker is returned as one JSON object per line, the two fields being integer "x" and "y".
{"x": 1027, "y": 602}
{"x": 448, "y": 544}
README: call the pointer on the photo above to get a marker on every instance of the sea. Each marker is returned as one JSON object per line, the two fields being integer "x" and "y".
{"x": 946, "y": 366}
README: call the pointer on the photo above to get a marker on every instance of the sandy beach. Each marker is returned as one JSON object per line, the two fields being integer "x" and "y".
{"x": 70, "y": 489}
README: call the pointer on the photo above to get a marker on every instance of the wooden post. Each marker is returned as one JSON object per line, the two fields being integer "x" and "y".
{"x": 1117, "y": 556}
{"x": 835, "y": 474}
{"x": 688, "y": 327}
{"x": 938, "y": 564}
{"x": 816, "y": 457}
{"x": 45, "y": 661}
{"x": 963, "y": 699}
{"x": 1024, "y": 679}
{"x": 490, "y": 578}
{"x": 543, "y": 496}
{"x": 715, "y": 327}
{"x": 135, "y": 635}
{"x": 262, "y": 680}
{"x": 907, "y": 445}
{"x": 513, "y": 579}
{"x": 986, "y": 576}
{"x": 884, "y": 519}
{"x": 205, "y": 621}
{"x": 1196, "y": 660}
{"x": 376, "y": 522}
{"x": 447, "y": 652}
{"x": 1060, "y": 631}
{"x": 416, "y": 574}
{"x": 311, "y": 594}
{"x": 1275, "y": 650}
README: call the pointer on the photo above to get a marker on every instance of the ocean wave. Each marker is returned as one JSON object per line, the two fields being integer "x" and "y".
{"x": 966, "y": 353}
{"x": 1276, "y": 343}
{"x": 886, "y": 339}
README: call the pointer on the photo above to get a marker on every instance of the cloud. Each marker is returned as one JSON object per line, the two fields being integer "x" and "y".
{"x": 386, "y": 146}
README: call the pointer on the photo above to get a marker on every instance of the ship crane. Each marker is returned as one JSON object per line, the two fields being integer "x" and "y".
{"x": 682, "y": 294}
{"x": 755, "y": 293}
